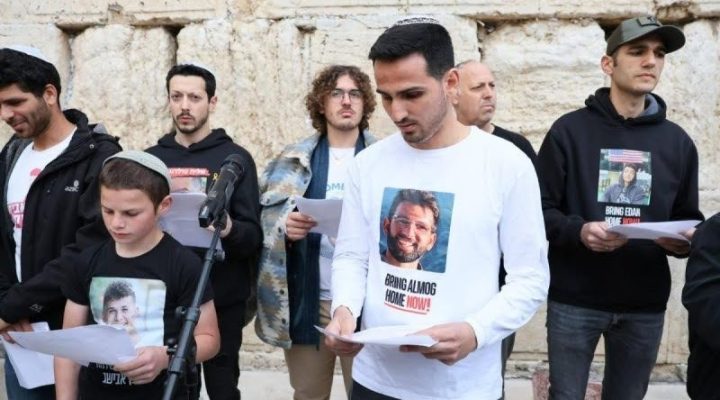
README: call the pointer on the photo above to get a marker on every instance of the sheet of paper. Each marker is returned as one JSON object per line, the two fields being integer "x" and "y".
{"x": 181, "y": 221}
{"x": 655, "y": 230}
{"x": 100, "y": 344}
{"x": 33, "y": 369}
{"x": 386, "y": 335}
{"x": 325, "y": 211}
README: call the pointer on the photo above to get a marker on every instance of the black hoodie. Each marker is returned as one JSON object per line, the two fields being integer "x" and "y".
{"x": 230, "y": 279}
{"x": 62, "y": 215}
{"x": 701, "y": 297}
{"x": 573, "y": 167}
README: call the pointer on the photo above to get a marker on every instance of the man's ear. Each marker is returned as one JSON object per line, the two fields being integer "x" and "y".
{"x": 50, "y": 95}
{"x": 607, "y": 64}
{"x": 164, "y": 206}
{"x": 451, "y": 82}
{"x": 213, "y": 103}
{"x": 386, "y": 225}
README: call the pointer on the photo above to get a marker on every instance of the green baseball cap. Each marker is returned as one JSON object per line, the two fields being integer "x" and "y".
{"x": 635, "y": 28}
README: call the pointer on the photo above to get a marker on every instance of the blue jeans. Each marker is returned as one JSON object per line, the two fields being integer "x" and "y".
{"x": 631, "y": 347}
{"x": 17, "y": 392}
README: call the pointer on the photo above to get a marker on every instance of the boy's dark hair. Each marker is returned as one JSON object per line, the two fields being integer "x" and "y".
{"x": 192, "y": 70}
{"x": 120, "y": 173}
{"x": 117, "y": 290}
{"x": 325, "y": 82}
{"x": 430, "y": 40}
{"x": 31, "y": 74}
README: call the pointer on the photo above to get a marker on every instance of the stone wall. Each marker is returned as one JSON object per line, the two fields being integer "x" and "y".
{"x": 113, "y": 56}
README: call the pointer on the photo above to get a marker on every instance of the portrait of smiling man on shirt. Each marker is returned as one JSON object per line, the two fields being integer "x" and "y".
{"x": 410, "y": 227}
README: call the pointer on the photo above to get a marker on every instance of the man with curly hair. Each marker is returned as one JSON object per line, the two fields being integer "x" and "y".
{"x": 295, "y": 265}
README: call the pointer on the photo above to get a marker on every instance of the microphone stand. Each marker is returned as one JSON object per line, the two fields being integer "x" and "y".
{"x": 182, "y": 355}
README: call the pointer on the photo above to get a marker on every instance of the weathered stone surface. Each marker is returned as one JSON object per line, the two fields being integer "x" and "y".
{"x": 599, "y": 9}
{"x": 489, "y": 10}
{"x": 68, "y": 12}
{"x": 162, "y": 12}
{"x": 542, "y": 70}
{"x": 710, "y": 199}
{"x": 674, "y": 346}
{"x": 675, "y": 10}
{"x": 692, "y": 93}
{"x": 119, "y": 79}
{"x": 84, "y": 13}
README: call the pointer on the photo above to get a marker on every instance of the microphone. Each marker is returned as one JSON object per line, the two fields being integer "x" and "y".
{"x": 219, "y": 195}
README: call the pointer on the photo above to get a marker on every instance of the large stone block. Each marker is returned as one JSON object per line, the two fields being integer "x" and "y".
{"x": 599, "y": 9}
{"x": 486, "y": 10}
{"x": 61, "y": 12}
{"x": 119, "y": 79}
{"x": 173, "y": 12}
{"x": 681, "y": 10}
{"x": 692, "y": 93}
{"x": 275, "y": 9}
{"x": 542, "y": 71}
{"x": 84, "y": 13}
{"x": 674, "y": 346}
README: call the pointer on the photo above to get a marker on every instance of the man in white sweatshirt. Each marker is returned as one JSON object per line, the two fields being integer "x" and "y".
{"x": 455, "y": 297}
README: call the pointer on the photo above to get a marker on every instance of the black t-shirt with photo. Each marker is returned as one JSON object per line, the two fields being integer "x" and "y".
{"x": 139, "y": 294}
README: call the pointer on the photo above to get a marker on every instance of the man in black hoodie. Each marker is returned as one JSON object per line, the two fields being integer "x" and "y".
{"x": 49, "y": 169}
{"x": 701, "y": 297}
{"x": 194, "y": 153}
{"x": 601, "y": 282}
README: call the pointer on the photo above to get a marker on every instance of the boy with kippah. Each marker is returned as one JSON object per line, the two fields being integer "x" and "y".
{"x": 134, "y": 194}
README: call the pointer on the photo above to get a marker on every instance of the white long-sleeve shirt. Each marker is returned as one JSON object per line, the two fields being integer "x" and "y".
{"x": 489, "y": 203}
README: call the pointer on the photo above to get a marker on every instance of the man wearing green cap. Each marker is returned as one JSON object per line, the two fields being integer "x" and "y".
{"x": 602, "y": 283}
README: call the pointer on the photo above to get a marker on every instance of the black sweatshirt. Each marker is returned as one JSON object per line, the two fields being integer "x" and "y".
{"x": 584, "y": 154}
{"x": 62, "y": 216}
{"x": 230, "y": 279}
{"x": 701, "y": 297}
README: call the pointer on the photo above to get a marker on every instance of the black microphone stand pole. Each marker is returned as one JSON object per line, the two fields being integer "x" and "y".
{"x": 183, "y": 356}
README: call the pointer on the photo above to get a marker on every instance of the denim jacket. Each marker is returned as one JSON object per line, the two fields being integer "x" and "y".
{"x": 287, "y": 176}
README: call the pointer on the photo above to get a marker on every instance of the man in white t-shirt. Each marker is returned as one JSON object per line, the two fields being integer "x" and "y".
{"x": 50, "y": 165}
{"x": 294, "y": 276}
{"x": 488, "y": 205}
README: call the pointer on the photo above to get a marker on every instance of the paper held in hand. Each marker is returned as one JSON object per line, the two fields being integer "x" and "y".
{"x": 655, "y": 230}
{"x": 387, "y": 335}
{"x": 100, "y": 344}
{"x": 181, "y": 221}
{"x": 326, "y": 212}
{"x": 33, "y": 369}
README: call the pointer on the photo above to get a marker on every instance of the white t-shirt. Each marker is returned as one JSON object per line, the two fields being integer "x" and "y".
{"x": 487, "y": 199}
{"x": 27, "y": 167}
{"x": 339, "y": 161}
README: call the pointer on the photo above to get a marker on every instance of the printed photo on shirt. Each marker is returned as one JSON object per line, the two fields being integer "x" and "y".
{"x": 414, "y": 228}
{"x": 625, "y": 177}
{"x": 193, "y": 180}
{"x": 136, "y": 305}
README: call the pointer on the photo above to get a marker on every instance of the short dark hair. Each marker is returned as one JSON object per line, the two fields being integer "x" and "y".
{"x": 193, "y": 70}
{"x": 432, "y": 41}
{"x": 325, "y": 81}
{"x": 115, "y": 291}
{"x": 31, "y": 74}
{"x": 422, "y": 198}
{"x": 120, "y": 173}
